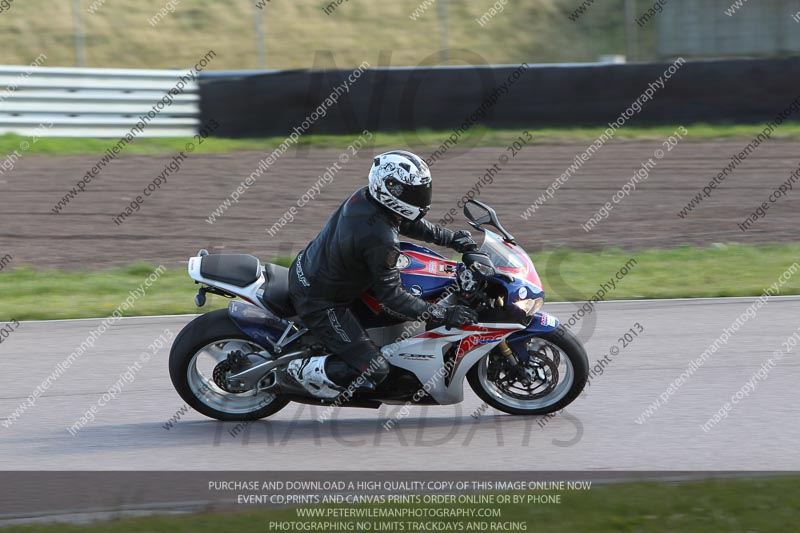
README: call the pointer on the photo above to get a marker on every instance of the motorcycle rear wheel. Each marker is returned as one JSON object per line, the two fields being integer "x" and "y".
{"x": 198, "y": 350}
{"x": 558, "y": 354}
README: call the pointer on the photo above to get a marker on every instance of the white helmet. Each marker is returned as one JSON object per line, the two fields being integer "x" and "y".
{"x": 401, "y": 182}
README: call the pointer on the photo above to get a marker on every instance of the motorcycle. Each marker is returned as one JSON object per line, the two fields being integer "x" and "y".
{"x": 231, "y": 364}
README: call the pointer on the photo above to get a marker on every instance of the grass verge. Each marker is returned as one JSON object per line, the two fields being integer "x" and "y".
{"x": 419, "y": 139}
{"x": 687, "y": 272}
{"x": 305, "y": 33}
{"x": 722, "y": 505}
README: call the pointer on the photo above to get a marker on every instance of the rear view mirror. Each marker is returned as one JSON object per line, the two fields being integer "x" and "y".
{"x": 477, "y": 213}
{"x": 480, "y": 214}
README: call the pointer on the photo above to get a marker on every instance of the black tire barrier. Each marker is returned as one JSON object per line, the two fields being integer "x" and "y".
{"x": 262, "y": 104}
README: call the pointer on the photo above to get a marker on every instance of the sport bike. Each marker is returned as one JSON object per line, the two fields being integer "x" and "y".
{"x": 231, "y": 364}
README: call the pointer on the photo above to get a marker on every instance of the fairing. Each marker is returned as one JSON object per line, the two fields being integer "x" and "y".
{"x": 260, "y": 325}
{"x": 425, "y": 273}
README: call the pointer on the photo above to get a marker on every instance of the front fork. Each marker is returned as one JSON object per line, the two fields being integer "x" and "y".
{"x": 513, "y": 350}
{"x": 540, "y": 324}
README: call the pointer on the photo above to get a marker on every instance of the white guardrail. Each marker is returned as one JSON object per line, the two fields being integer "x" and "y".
{"x": 94, "y": 102}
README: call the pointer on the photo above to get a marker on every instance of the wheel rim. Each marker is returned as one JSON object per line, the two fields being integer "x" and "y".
{"x": 200, "y": 374}
{"x": 548, "y": 367}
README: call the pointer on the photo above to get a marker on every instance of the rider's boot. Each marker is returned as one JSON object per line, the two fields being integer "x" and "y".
{"x": 328, "y": 376}
{"x": 311, "y": 374}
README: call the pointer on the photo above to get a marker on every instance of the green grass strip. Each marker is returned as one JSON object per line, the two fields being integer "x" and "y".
{"x": 686, "y": 272}
{"x": 722, "y": 505}
{"x": 423, "y": 138}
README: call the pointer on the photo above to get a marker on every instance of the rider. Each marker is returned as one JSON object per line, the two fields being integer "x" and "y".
{"x": 356, "y": 251}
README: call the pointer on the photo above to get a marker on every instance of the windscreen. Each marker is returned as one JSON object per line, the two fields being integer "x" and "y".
{"x": 510, "y": 258}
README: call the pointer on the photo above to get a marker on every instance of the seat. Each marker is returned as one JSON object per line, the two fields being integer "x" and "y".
{"x": 235, "y": 269}
{"x": 276, "y": 294}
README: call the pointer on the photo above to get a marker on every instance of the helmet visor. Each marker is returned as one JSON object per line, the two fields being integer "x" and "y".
{"x": 416, "y": 195}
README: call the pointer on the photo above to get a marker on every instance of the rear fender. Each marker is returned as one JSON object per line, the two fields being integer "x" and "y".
{"x": 260, "y": 325}
{"x": 540, "y": 324}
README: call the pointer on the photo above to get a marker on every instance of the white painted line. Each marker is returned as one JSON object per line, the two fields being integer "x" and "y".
{"x": 718, "y": 299}
{"x": 721, "y": 299}
{"x": 103, "y": 318}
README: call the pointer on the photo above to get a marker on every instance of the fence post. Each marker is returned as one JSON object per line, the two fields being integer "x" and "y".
{"x": 631, "y": 36}
{"x": 261, "y": 41}
{"x": 80, "y": 36}
{"x": 443, "y": 31}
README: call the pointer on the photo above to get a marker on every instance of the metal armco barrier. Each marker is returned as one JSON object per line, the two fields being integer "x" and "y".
{"x": 93, "y": 102}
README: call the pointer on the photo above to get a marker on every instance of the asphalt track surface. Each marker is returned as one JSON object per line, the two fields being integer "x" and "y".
{"x": 598, "y": 432}
{"x": 171, "y": 224}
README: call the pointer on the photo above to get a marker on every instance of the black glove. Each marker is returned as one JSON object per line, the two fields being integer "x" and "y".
{"x": 462, "y": 242}
{"x": 454, "y": 316}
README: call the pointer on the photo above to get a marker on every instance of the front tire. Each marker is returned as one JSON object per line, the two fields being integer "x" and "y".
{"x": 198, "y": 350}
{"x": 556, "y": 356}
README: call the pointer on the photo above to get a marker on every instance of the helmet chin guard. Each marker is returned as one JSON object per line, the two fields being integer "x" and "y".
{"x": 401, "y": 182}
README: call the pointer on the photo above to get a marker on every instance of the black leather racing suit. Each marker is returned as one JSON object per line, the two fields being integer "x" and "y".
{"x": 357, "y": 250}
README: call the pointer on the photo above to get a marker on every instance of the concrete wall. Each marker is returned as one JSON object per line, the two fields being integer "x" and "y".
{"x": 702, "y": 28}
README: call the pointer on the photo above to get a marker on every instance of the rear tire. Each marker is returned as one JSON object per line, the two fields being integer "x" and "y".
{"x": 200, "y": 333}
{"x": 578, "y": 363}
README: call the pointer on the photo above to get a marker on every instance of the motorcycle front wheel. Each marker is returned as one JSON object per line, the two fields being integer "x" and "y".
{"x": 555, "y": 374}
{"x": 198, "y": 364}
